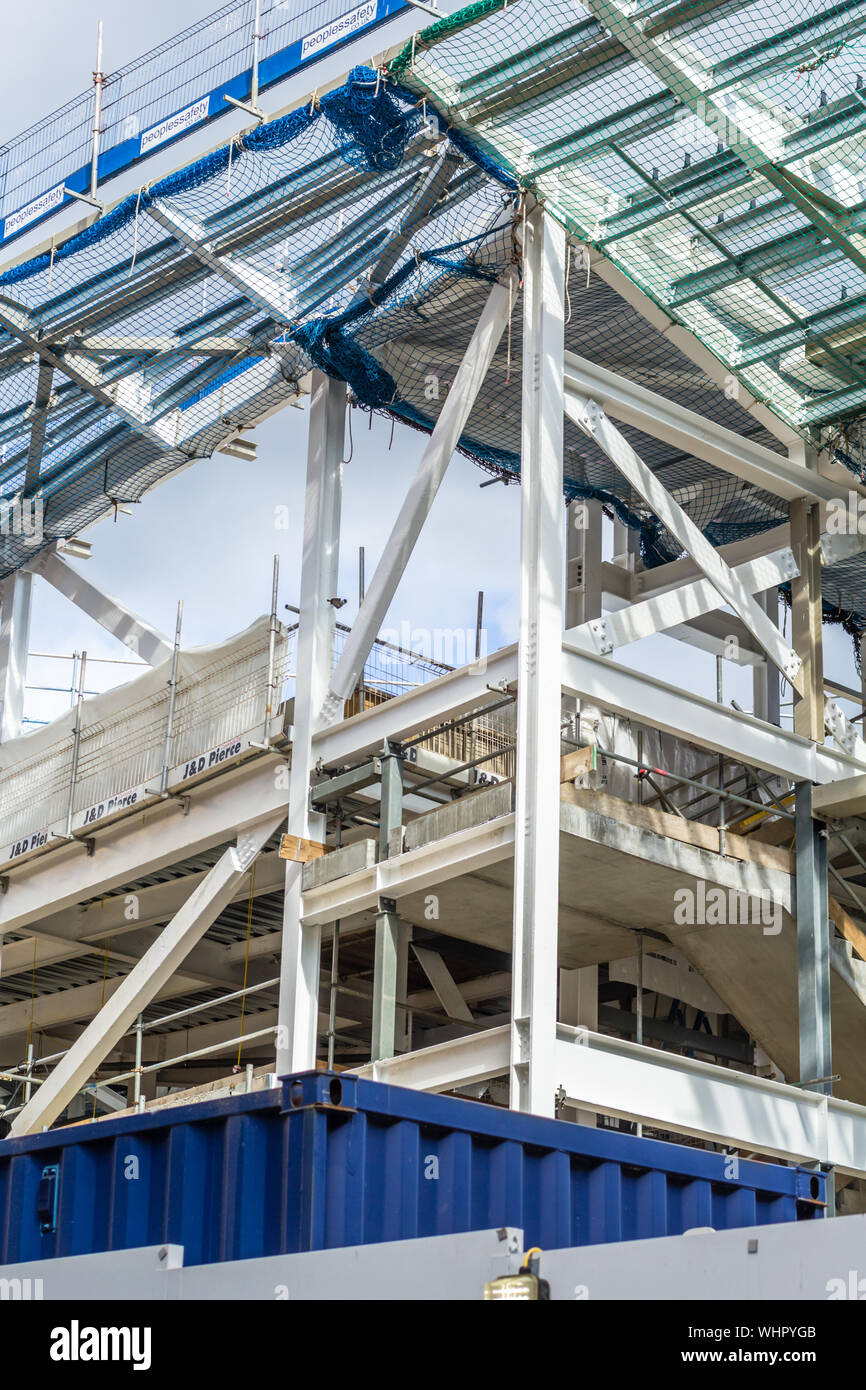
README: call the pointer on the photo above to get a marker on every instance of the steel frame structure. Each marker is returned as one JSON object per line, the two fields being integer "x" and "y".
{"x": 547, "y": 662}
{"x": 563, "y": 651}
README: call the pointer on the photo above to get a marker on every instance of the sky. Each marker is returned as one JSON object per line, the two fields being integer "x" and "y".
{"x": 209, "y": 535}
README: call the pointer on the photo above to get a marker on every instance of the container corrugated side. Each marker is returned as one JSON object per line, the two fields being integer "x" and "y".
{"x": 324, "y": 1160}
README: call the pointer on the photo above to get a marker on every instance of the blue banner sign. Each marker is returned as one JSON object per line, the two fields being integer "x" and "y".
{"x": 128, "y": 152}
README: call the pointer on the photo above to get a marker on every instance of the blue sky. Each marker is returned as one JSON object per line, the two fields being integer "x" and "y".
{"x": 208, "y": 536}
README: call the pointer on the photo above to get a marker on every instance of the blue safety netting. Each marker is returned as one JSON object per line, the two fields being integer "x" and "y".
{"x": 359, "y": 234}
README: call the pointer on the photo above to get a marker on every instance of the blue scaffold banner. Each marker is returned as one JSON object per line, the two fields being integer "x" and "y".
{"x": 131, "y": 138}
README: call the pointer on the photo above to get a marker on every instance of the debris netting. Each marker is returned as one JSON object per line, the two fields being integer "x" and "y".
{"x": 361, "y": 233}
{"x": 713, "y": 151}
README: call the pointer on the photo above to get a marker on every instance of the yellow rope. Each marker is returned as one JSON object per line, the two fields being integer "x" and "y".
{"x": 247, "y": 956}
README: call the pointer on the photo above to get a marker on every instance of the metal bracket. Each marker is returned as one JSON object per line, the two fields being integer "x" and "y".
{"x": 90, "y": 846}
{"x": 840, "y": 545}
{"x": 601, "y": 634}
{"x": 246, "y": 106}
{"x": 246, "y": 849}
{"x": 4, "y": 884}
{"x": 837, "y": 723}
{"x": 354, "y": 780}
{"x": 84, "y": 198}
{"x": 792, "y": 569}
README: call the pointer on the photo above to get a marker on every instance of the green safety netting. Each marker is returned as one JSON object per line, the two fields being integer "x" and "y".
{"x": 361, "y": 233}
{"x": 713, "y": 151}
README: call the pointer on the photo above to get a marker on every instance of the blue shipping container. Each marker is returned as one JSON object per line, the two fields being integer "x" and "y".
{"x": 325, "y": 1160}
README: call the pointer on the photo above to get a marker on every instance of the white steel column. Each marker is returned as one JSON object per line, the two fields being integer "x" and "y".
{"x": 299, "y": 982}
{"x": 15, "y": 602}
{"x": 765, "y": 677}
{"x": 536, "y": 857}
{"x": 583, "y": 555}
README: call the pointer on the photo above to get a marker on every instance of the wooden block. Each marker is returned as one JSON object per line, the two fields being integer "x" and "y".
{"x": 848, "y": 927}
{"x": 301, "y": 851}
{"x": 574, "y": 764}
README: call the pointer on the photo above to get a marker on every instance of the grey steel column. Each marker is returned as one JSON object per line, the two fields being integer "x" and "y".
{"x": 813, "y": 946}
{"x": 384, "y": 1038}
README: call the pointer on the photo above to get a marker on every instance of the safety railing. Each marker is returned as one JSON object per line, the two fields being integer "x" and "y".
{"x": 106, "y": 755}
{"x": 225, "y": 59}
{"x": 25, "y": 1076}
{"x": 485, "y": 740}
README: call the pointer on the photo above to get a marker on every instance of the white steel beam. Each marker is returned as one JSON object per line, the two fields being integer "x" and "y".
{"x": 140, "y": 344}
{"x": 299, "y": 980}
{"x": 465, "y": 852}
{"x": 266, "y": 293}
{"x": 152, "y": 972}
{"x": 590, "y": 417}
{"x": 422, "y": 204}
{"x": 694, "y": 434}
{"x": 15, "y": 604}
{"x": 419, "y": 499}
{"x": 676, "y": 1093}
{"x": 122, "y": 397}
{"x": 135, "y": 633}
{"x": 73, "y": 930}
{"x": 539, "y": 703}
{"x": 452, "y": 695}
{"x": 704, "y": 722}
{"x": 41, "y": 405}
{"x": 708, "y": 1101}
{"x": 444, "y": 986}
{"x": 459, "y": 1062}
{"x": 674, "y": 606}
{"x": 648, "y": 583}
{"x": 711, "y": 632}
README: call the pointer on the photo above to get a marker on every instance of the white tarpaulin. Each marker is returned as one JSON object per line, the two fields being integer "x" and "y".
{"x": 221, "y": 693}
